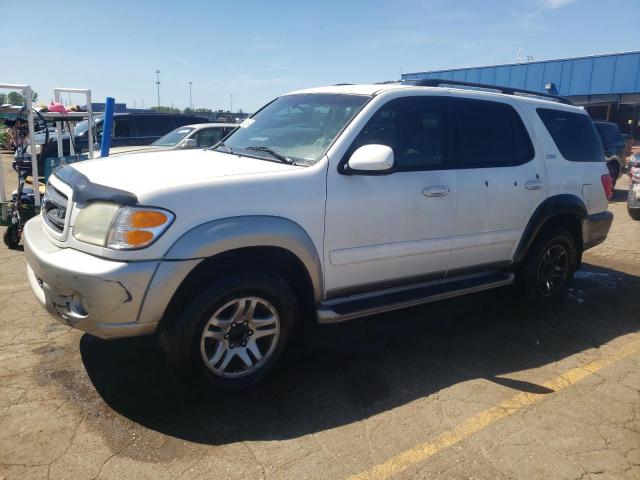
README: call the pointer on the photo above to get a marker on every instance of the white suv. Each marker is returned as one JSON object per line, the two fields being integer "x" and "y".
{"x": 328, "y": 204}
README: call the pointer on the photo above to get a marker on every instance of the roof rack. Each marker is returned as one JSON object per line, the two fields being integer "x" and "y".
{"x": 436, "y": 82}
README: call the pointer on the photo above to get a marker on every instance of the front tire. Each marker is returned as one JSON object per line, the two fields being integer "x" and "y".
{"x": 634, "y": 213}
{"x": 232, "y": 333}
{"x": 550, "y": 266}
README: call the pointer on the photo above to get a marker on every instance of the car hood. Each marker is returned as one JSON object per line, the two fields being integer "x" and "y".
{"x": 142, "y": 173}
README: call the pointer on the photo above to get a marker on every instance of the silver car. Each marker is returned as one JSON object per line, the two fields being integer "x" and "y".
{"x": 200, "y": 135}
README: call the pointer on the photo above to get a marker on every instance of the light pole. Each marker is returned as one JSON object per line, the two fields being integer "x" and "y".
{"x": 158, "y": 84}
{"x": 190, "y": 100}
{"x": 231, "y": 103}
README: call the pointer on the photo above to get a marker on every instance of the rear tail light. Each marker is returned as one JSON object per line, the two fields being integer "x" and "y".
{"x": 607, "y": 184}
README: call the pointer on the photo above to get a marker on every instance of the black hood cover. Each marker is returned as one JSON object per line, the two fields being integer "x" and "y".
{"x": 84, "y": 190}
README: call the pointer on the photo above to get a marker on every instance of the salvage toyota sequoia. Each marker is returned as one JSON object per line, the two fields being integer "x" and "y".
{"x": 326, "y": 205}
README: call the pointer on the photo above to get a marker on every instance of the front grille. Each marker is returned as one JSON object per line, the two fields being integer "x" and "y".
{"x": 54, "y": 208}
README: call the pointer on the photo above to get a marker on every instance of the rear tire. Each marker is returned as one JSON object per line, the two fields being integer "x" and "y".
{"x": 550, "y": 266}
{"x": 232, "y": 333}
{"x": 634, "y": 213}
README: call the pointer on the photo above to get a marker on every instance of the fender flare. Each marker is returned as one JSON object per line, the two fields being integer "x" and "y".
{"x": 219, "y": 236}
{"x": 554, "y": 206}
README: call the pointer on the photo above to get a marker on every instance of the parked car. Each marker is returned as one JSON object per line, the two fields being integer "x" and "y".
{"x": 328, "y": 204}
{"x": 615, "y": 147}
{"x": 202, "y": 135}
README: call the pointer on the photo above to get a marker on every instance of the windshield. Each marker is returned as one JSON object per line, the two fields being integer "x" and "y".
{"x": 609, "y": 133}
{"x": 301, "y": 127}
{"x": 174, "y": 137}
{"x": 82, "y": 127}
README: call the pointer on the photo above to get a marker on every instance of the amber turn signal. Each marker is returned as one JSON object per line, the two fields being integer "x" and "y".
{"x": 148, "y": 219}
{"x": 138, "y": 237}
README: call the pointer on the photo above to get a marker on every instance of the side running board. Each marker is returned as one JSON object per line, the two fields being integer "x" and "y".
{"x": 354, "y": 306}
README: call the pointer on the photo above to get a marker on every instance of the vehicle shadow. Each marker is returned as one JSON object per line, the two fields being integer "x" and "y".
{"x": 360, "y": 368}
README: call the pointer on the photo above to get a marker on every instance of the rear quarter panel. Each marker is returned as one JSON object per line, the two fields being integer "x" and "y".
{"x": 582, "y": 179}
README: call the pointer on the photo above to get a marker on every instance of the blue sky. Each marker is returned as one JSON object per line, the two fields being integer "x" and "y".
{"x": 256, "y": 50}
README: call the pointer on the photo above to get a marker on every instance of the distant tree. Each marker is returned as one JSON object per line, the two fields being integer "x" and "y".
{"x": 3, "y": 98}
{"x": 162, "y": 109}
{"x": 203, "y": 110}
{"x": 240, "y": 111}
{"x": 15, "y": 98}
{"x": 187, "y": 111}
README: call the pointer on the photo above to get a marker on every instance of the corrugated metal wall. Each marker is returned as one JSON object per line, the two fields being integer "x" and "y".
{"x": 616, "y": 73}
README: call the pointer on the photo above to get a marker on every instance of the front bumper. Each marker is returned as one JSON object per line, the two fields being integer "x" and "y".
{"x": 595, "y": 229}
{"x": 102, "y": 297}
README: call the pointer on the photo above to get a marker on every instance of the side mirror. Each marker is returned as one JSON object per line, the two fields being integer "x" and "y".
{"x": 190, "y": 143}
{"x": 371, "y": 159}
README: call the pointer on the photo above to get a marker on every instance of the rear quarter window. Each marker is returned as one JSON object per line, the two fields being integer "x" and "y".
{"x": 574, "y": 135}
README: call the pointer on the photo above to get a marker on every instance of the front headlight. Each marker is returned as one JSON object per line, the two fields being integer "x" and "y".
{"x": 120, "y": 228}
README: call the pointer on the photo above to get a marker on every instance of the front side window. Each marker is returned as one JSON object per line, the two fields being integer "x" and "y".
{"x": 208, "y": 137}
{"x": 489, "y": 134}
{"x": 82, "y": 127}
{"x": 413, "y": 127}
{"x": 301, "y": 126}
{"x": 574, "y": 135}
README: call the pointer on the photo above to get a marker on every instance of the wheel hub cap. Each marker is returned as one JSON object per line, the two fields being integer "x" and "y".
{"x": 240, "y": 337}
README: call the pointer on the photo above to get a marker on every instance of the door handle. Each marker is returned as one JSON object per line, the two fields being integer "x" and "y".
{"x": 533, "y": 185}
{"x": 436, "y": 191}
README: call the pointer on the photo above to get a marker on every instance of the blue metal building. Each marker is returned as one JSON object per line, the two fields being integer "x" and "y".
{"x": 608, "y": 86}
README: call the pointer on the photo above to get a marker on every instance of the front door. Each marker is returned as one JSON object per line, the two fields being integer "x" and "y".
{"x": 392, "y": 229}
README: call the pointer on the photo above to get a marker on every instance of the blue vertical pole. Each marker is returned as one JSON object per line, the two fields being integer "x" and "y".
{"x": 107, "y": 126}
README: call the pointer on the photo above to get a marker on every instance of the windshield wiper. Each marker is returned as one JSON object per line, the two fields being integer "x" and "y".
{"x": 224, "y": 145}
{"x": 273, "y": 153}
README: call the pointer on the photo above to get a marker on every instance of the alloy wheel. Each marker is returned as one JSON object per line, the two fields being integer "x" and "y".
{"x": 553, "y": 269}
{"x": 240, "y": 337}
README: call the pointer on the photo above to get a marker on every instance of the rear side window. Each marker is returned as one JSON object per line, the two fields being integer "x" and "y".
{"x": 154, "y": 125}
{"x": 489, "y": 134}
{"x": 573, "y": 134}
{"x": 208, "y": 137}
{"x": 121, "y": 128}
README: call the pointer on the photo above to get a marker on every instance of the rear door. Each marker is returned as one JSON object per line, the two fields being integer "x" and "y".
{"x": 500, "y": 180}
